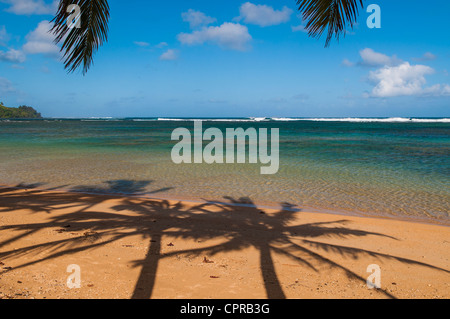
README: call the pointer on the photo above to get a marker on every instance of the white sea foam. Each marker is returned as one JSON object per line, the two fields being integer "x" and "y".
{"x": 286, "y": 119}
{"x": 252, "y": 119}
{"x": 446, "y": 120}
{"x": 267, "y": 119}
{"x": 258, "y": 119}
{"x": 101, "y": 117}
{"x": 170, "y": 119}
{"x": 357, "y": 119}
{"x": 368, "y": 120}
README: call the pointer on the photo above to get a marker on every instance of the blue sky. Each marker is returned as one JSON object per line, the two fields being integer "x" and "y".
{"x": 233, "y": 58}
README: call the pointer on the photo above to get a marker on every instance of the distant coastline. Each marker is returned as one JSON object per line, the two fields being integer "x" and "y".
{"x": 21, "y": 112}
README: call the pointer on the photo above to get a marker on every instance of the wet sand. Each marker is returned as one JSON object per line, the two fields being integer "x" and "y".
{"x": 129, "y": 247}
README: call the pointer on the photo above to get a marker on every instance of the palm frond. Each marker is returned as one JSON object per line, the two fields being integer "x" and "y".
{"x": 334, "y": 15}
{"x": 80, "y": 44}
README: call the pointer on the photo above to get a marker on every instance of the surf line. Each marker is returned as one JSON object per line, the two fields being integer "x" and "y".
{"x": 234, "y": 144}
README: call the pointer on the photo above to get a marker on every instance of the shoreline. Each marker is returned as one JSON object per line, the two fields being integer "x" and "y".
{"x": 272, "y": 206}
{"x": 129, "y": 247}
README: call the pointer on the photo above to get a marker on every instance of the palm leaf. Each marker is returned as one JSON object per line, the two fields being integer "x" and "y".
{"x": 80, "y": 44}
{"x": 333, "y": 15}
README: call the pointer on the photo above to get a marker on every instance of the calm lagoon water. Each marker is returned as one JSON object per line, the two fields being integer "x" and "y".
{"x": 373, "y": 167}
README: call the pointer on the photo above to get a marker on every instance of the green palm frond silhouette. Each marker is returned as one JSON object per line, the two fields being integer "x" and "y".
{"x": 80, "y": 44}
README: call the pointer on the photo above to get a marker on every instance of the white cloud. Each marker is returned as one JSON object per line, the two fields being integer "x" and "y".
{"x": 264, "y": 15}
{"x": 13, "y": 56}
{"x": 302, "y": 98}
{"x": 197, "y": 18}
{"x": 374, "y": 59}
{"x": 45, "y": 69}
{"x": 162, "y": 45}
{"x": 29, "y": 7}
{"x": 4, "y": 36}
{"x": 169, "y": 55}
{"x": 41, "y": 40}
{"x": 347, "y": 63}
{"x": 6, "y": 86}
{"x": 370, "y": 58}
{"x": 229, "y": 35}
{"x": 141, "y": 43}
{"x": 17, "y": 67}
{"x": 144, "y": 44}
{"x": 404, "y": 80}
{"x": 299, "y": 28}
{"x": 428, "y": 56}
{"x": 437, "y": 90}
{"x": 394, "y": 77}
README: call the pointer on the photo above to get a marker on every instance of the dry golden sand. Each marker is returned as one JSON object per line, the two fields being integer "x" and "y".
{"x": 141, "y": 248}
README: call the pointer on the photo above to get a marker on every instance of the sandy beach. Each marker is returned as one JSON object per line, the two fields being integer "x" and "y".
{"x": 129, "y": 247}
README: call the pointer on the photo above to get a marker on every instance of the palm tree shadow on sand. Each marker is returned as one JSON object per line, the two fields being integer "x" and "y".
{"x": 154, "y": 219}
{"x": 241, "y": 227}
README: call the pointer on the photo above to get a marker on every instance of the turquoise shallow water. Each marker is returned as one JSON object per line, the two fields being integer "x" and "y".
{"x": 375, "y": 167}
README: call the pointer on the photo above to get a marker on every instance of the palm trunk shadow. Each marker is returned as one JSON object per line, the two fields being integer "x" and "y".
{"x": 147, "y": 277}
{"x": 270, "y": 279}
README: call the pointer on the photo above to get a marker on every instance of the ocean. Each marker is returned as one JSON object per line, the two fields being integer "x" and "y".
{"x": 378, "y": 167}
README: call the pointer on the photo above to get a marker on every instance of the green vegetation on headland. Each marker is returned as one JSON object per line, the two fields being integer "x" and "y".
{"x": 21, "y": 112}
